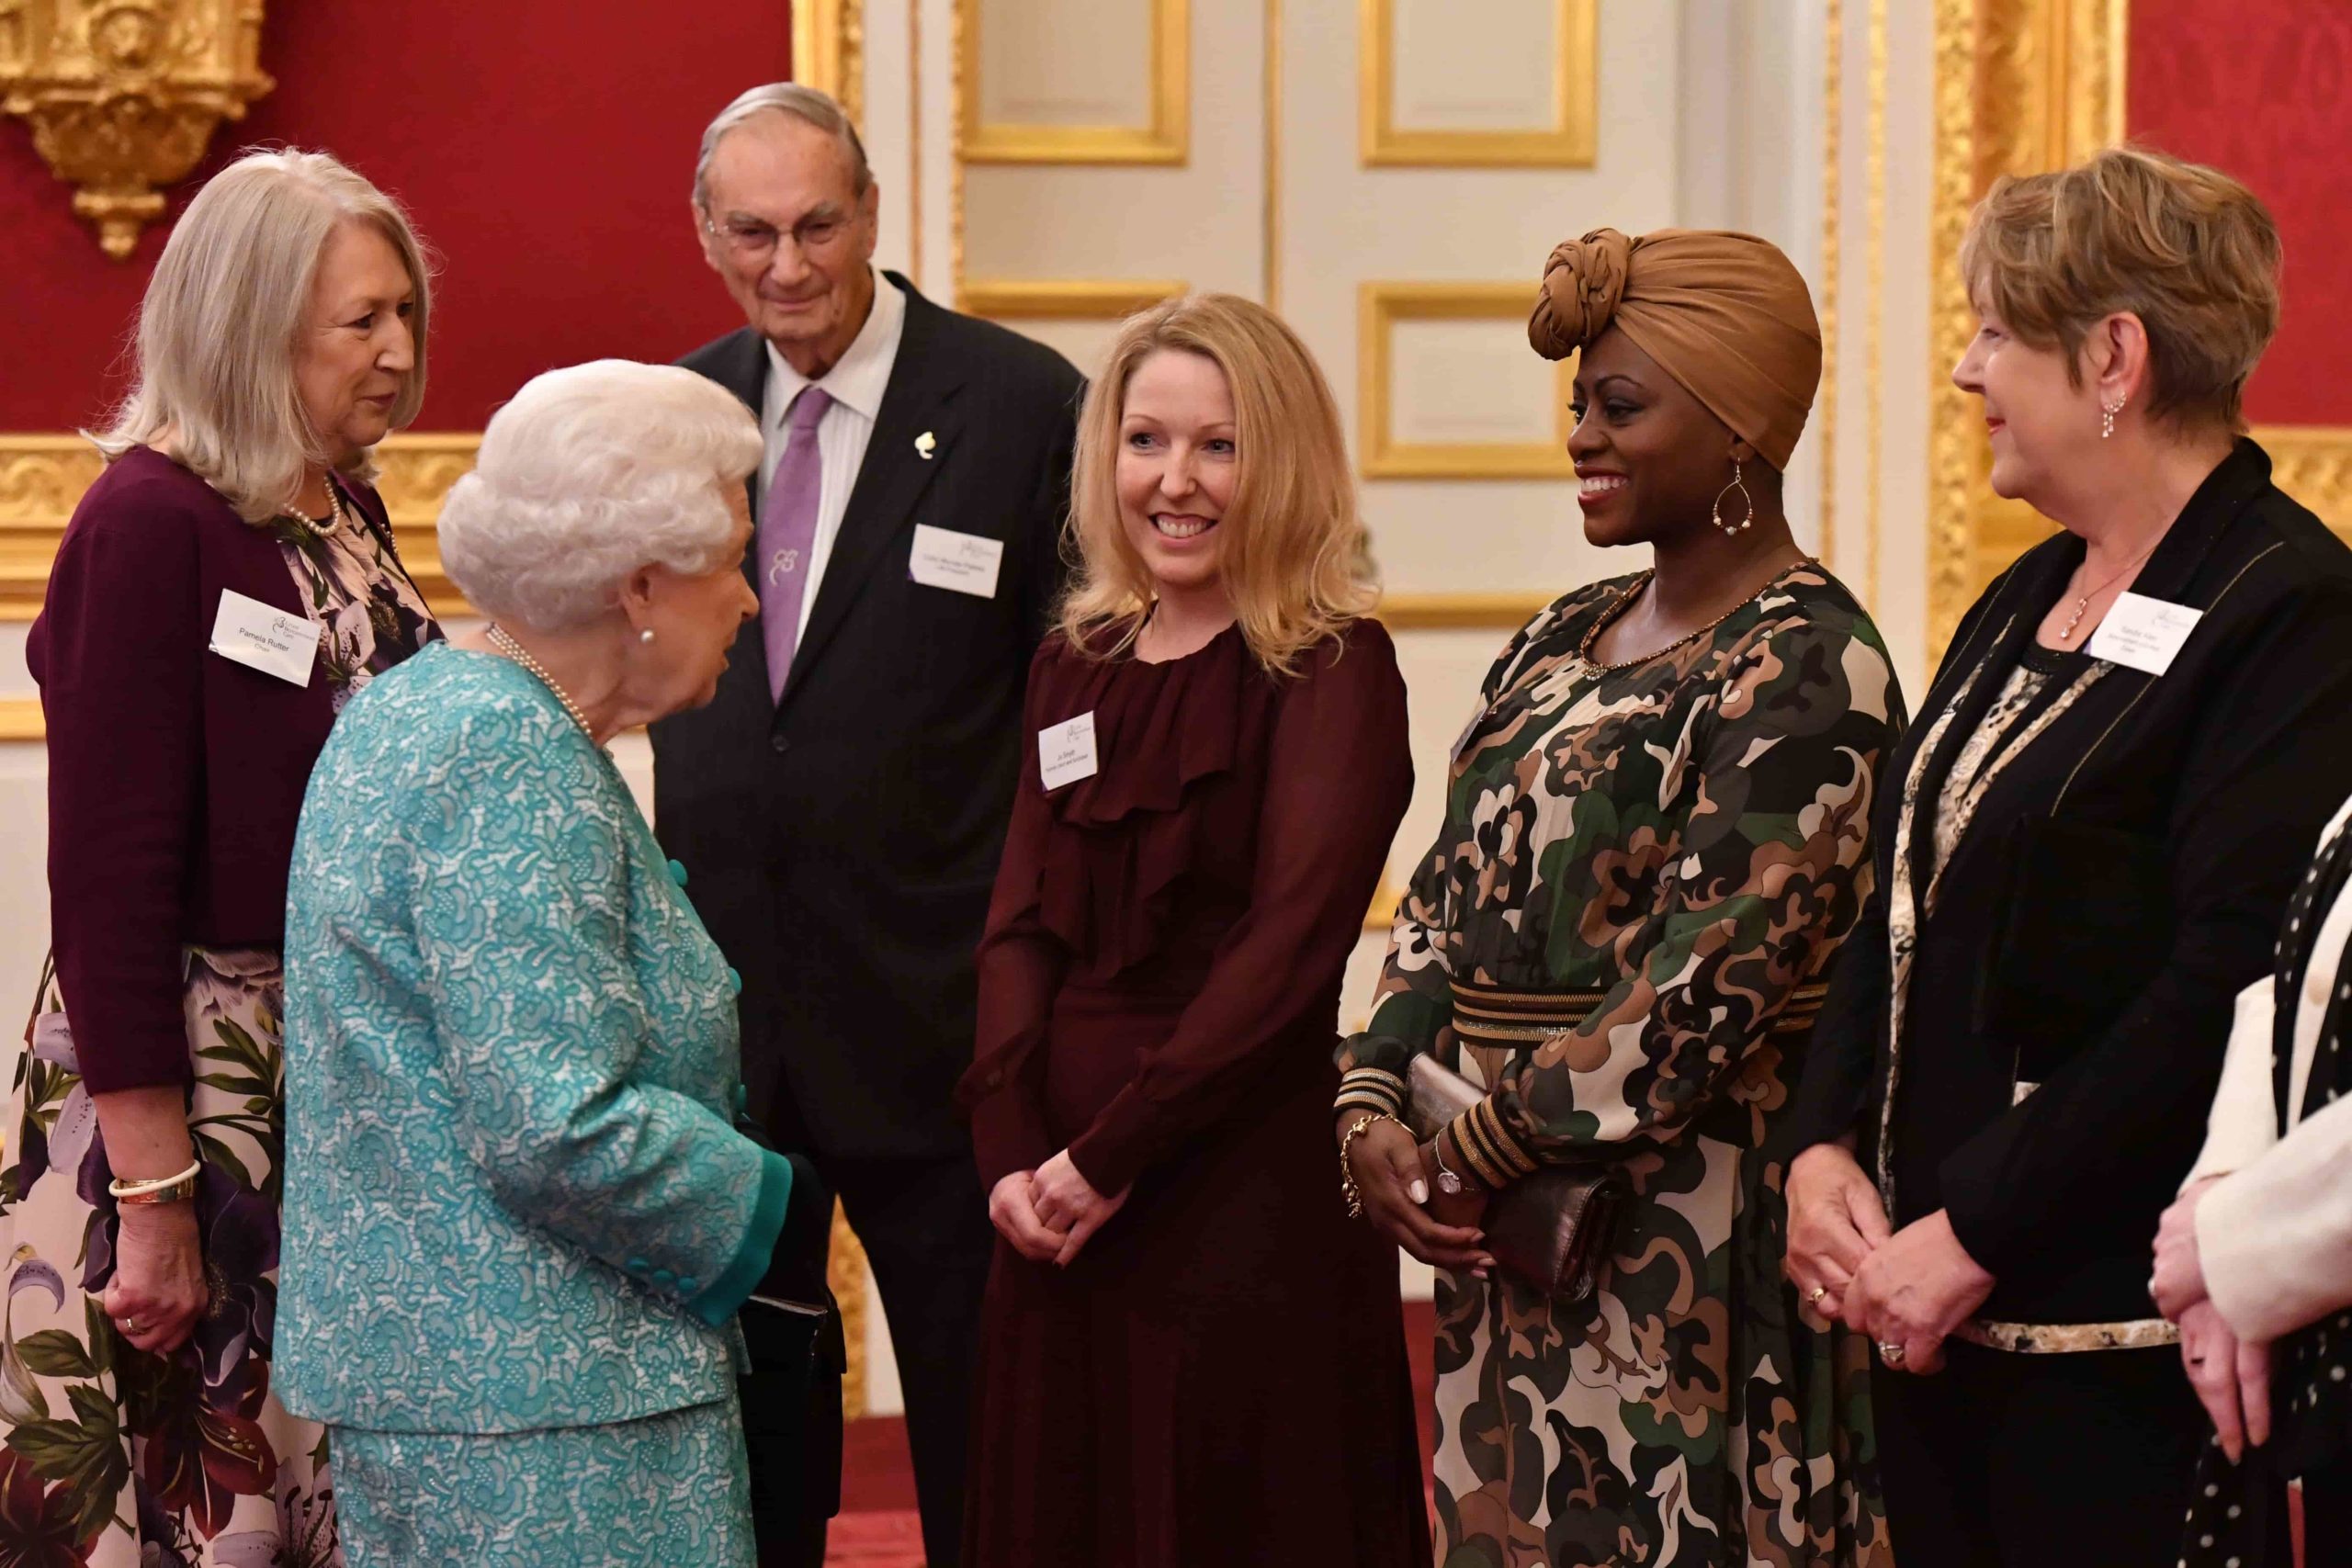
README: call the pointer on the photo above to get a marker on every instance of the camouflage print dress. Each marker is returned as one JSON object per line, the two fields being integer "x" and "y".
{"x": 1686, "y": 841}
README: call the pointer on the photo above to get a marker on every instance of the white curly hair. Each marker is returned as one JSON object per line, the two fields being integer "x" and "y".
{"x": 589, "y": 473}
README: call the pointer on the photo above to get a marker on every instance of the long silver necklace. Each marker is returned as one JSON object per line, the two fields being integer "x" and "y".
{"x": 521, "y": 656}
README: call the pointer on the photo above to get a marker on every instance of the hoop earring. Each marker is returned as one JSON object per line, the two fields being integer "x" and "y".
{"x": 1734, "y": 530}
{"x": 2107, "y": 412}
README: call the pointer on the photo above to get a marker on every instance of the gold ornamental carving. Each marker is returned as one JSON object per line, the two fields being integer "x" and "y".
{"x": 122, "y": 95}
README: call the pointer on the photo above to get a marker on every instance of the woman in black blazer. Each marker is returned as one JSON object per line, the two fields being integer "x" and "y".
{"x": 2085, "y": 846}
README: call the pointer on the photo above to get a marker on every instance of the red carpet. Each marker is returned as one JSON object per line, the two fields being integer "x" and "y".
{"x": 877, "y": 1527}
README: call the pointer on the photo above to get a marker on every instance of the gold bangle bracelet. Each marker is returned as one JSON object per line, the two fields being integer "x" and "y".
{"x": 1348, "y": 1189}
{"x": 168, "y": 1189}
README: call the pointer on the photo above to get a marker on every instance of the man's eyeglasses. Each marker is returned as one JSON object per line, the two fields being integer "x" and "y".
{"x": 748, "y": 238}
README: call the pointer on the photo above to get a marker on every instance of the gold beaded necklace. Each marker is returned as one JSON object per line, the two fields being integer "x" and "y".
{"x": 521, "y": 656}
{"x": 1625, "y": 601}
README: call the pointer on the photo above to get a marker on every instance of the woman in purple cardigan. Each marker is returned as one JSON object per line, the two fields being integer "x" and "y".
{"x": 224, "y": 588}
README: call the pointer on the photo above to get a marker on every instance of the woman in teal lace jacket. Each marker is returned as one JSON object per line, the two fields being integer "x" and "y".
{"x": 519, "y": 1217}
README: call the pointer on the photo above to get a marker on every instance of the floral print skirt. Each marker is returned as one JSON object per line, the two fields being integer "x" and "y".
{"x": 113, "y": 1457}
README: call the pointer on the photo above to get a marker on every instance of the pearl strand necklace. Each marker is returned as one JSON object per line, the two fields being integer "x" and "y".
{"x": 521, "y": 656}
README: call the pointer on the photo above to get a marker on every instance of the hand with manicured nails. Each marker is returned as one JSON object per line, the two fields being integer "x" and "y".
{"x": 1395, "y": 1185}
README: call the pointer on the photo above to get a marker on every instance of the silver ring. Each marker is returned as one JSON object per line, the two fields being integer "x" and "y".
{"x": 131, "y": 1326}
{"x": 1814, "y": 1298}
{"x": 1891, "y": 1353}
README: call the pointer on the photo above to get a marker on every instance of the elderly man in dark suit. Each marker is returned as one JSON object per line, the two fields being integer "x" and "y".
{"x": 841, "y": 806}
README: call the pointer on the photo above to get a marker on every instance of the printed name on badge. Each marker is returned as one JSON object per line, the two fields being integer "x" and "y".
{"x": 264, "y": 637}
{"x": 2142, "y": 633}
{"x": 1066, "y": 752}
{"x": 963, "y": 563}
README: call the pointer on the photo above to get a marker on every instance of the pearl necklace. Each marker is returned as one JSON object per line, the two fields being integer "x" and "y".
{"x": 521, "y": 656}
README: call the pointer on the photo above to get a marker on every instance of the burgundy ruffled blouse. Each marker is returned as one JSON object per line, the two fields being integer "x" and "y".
{"x": 1172, "y": 930}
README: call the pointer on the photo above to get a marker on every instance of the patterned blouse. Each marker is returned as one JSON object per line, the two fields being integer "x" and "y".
{"x": 1685, "y": 837}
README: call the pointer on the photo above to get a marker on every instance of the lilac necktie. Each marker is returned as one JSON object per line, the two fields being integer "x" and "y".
{"x": 787, "y": 532}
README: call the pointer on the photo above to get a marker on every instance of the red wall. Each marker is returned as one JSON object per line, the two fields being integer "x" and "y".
{"x": 544, "y": 148}
{"x": 2262, "y": 90}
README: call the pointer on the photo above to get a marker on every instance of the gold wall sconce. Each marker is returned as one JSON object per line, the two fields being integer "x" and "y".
{"x": 122, "y": 95}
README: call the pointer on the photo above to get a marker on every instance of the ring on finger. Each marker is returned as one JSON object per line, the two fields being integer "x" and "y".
{"x": 1891, "y": 1353}
{"x": 1813, "y": 1297}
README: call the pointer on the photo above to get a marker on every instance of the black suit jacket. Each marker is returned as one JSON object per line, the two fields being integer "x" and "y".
{"x": 841, "y": 845}
{"x": 2122, "y": 878}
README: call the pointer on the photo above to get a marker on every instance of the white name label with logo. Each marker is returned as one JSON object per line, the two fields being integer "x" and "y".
{"x": 274, "y": 641}
{"x": 1066, "y": 752}
{"x": 2146, "y": 634}
{"x": 963, "y": 563}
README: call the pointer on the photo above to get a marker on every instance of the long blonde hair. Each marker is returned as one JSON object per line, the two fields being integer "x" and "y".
{"x": 218, "y": 327}
{"x": 1296, "y": 561}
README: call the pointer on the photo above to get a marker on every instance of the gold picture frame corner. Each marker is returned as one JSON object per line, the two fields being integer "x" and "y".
{"x": 1571, "y": 142}
{"x": 1381, "y": 304}
{"x": 1166, "y": 138}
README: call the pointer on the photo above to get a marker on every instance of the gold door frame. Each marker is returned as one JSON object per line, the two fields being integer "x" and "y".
{"x": 2024, "y": 86}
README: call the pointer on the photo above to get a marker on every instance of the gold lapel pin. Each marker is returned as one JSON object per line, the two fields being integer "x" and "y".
{"x": 926, "y": 443}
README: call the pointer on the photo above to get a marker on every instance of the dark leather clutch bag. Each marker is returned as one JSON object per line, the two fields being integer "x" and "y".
{"x": 1556, "y": 1228}
{"x": 2084, "y": 918}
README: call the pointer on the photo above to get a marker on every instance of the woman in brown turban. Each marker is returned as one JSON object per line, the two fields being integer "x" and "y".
{"x": 1656, "y": 838}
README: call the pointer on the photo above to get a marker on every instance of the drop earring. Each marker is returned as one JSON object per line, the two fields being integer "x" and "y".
{"x": 1734, "y": 530}
{"x": 2107, "y": 412}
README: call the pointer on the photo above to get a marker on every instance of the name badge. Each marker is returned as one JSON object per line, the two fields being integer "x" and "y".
{"x": 1066, "y": 752}
{"x": 962, "y": 563}
{"x": 2142, "y": 633}
{"x": 264, "y": 637}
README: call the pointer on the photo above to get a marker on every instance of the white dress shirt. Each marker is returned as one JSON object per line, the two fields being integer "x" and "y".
{"x": 855, "y": 383}
{"x": 2275, "y": 1234}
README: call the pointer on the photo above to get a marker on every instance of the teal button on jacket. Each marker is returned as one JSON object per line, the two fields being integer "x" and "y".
{"x": 514, "y": 1196}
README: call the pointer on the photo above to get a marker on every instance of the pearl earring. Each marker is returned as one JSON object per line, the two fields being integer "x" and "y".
{"x": 2106, "y": 418}
{"x": 645, "y": 636}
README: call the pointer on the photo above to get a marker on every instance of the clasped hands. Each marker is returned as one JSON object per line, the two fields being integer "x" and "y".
{"x": 2231, "y": 1376}
{"x": 1050, "y": 1213}
{"x": 1907, "y": 1289}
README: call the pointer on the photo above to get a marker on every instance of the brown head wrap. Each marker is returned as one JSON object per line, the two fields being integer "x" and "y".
{"x": 1724, "y": 314}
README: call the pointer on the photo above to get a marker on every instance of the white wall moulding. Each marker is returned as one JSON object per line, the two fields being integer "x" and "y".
{"x": 1075, "y": 81}
{"x": 1516, "y": 91}
{"x": 1066, "y": 299}
{"x": 1447, "y": 386}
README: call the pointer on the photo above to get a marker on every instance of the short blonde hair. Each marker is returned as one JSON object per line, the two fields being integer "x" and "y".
{"x": 2186, "y": 249}
{"x": 587, "y": 474}
{"x": 1295, "y": 559}
{"x": 222, "y": 313}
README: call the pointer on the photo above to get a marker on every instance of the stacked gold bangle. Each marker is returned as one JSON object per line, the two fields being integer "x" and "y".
{"x": 168, "y": 1189}
{"x": 1348, "y": 1190}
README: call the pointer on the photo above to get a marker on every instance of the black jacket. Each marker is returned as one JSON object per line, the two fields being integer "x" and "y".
{"x": 841, "y": 845}
{"x": 2122, "y": 879}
